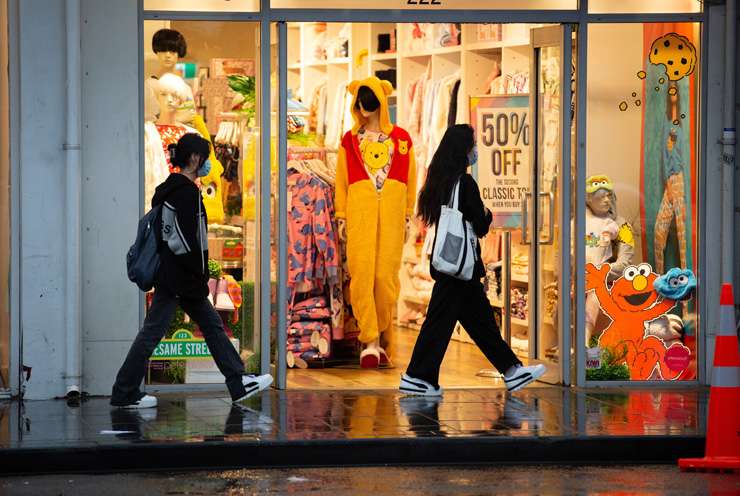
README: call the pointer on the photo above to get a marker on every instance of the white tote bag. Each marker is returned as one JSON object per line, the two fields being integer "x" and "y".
{"x": 455, "y": 249}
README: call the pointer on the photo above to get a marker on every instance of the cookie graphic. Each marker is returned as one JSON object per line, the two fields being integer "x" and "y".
{"x": 676, "y": 53}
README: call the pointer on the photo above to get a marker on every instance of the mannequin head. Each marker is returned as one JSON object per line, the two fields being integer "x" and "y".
{"x": 171, "y": 92}
{"x": 370, "y": 105}
{"x": 367, "y": 103}
{"x": 169, "y": 46}
{"x": 600, "y": 196}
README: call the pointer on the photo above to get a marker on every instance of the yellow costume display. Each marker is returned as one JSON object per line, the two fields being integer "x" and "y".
{"x": 375, "y": 218}
{"x": 211, "y": 183}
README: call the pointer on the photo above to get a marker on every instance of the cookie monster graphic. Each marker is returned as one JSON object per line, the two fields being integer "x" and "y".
{"x": 677, "y": 284}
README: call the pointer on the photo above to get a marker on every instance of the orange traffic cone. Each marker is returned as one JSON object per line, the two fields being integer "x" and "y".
{"x": 723, "y": 426}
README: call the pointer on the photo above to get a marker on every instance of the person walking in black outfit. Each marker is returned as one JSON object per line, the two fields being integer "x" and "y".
{"x": 182, "y": 279}
{"x": 454, "y": 300}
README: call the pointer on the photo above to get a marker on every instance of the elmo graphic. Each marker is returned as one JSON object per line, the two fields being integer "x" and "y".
{"x": 631, "y": 304}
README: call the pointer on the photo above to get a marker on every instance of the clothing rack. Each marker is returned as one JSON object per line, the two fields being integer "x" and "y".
{"x": 307, "y": 153}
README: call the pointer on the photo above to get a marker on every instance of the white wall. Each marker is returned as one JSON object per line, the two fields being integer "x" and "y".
{"x": 42, "y": 200}
{"x": 614, "y": 146}
{"x": 111, "y": 183}
{"x": 110, "y": 189}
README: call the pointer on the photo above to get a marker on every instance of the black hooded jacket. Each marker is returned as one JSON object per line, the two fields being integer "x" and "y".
{"x": 183, "y": 249}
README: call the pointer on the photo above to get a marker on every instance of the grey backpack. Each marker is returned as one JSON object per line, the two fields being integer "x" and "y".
{"x": 142, "y": 260}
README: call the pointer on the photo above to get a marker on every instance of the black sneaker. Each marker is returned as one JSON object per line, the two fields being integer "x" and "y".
{"x": 417, "y": 387}
{"x": 253, "y": 384}
{"x": 146, "y": 401}
{"x": 523, "y": 376}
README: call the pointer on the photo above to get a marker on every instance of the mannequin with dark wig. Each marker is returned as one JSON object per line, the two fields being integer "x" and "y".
{"x": 169, "y": 46}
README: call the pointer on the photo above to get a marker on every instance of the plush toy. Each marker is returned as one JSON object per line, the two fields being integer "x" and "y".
{"x": 676, "y": 284}
{"x": 632, "y": 303}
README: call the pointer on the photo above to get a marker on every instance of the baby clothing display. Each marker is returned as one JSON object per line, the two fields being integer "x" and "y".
{"x": 316, "y": 302}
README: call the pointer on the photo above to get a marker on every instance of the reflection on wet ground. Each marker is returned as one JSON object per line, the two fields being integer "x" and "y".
{"x": 352, "y": 415}
{"x": 653, "y": 480}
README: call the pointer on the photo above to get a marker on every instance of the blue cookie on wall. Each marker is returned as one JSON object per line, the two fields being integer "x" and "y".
{"x": 676, "y": 284}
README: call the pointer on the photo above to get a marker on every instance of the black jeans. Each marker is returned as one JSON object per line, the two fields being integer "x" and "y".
{"x": 126, "y": 389}
{"x": 457, "y": 301}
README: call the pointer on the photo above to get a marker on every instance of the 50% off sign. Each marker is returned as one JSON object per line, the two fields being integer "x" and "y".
{"x": 503, "y": 162}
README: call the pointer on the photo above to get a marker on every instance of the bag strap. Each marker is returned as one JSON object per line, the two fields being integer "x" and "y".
{"x": 453, "y": 199}
{"x": 465, "y": 252}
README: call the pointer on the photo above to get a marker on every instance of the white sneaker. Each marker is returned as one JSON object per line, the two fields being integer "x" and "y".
{"x": 254, "y": 384}
{"x": 146, "y": 401}
{"x": 417, "y": 387}
{"x": 523, "y": 376}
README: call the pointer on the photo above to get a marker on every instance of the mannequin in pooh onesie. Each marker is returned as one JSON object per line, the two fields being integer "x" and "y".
{"x": 375, "y": 196}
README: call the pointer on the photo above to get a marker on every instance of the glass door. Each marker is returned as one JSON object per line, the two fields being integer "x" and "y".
{"x": 545, "y": 204}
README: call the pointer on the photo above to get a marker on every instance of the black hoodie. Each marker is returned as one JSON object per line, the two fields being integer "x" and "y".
{"x": 184, "y": 251}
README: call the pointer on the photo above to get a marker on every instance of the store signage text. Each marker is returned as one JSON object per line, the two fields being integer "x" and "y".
{"x": 424, "y": 2}
{"x": 503, "y": 137}
{"x": 181, "y": 346}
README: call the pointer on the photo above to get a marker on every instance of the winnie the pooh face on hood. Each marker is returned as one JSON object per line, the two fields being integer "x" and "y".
{"x": 381, "y": 89}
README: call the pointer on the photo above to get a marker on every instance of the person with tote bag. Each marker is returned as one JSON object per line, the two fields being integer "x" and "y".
{"x": 450, "y": 201}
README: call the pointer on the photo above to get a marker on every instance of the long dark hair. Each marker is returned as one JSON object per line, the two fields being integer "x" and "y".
{"x": 450, "y": 161}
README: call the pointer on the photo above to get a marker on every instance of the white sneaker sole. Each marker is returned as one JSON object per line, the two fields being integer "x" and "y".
{"x": 525, "y": 379}
{"x": 263, "y": 382}
{"x": 411, "y": 388}
{"x": 139, "y": 405}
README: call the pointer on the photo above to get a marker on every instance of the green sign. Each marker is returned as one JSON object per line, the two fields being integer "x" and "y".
{"x": 181, "y": 346}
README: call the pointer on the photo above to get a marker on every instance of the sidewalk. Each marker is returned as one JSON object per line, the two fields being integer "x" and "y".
{"x": 335, "y": 428}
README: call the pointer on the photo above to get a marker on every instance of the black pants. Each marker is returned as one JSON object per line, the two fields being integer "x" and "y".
{"x": 126, "y": 389}
{"x": 457, "y": 301}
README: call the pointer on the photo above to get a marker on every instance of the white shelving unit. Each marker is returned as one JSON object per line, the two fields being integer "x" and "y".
{"x": 472, "y": 58}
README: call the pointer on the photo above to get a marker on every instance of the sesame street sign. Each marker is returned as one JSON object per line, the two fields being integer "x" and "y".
{"x": 181, "y": 346}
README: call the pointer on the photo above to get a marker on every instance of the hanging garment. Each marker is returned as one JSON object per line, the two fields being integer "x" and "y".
{"x": 313, "y": 255}
{"x": 157, "y": 165}
{"x": 376, "y": 220}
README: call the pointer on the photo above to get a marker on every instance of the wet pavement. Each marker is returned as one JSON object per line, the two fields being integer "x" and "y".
{"x": 412, "y": 481}
{"x": 309, "y": 428}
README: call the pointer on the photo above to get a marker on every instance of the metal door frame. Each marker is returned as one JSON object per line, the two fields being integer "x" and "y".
{"x": 550, "y": 36}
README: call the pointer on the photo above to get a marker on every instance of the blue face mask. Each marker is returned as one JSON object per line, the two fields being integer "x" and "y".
{"x": 205, "y": 169}
{"x": 473, "y": 155}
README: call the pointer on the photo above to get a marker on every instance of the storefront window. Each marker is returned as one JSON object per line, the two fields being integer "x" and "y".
{"x": 208, "y": 69}
{"x": 4, "y": 204}
{"x": 203, "y": 5}
{"x": 423, "y": 5}
{"x": 642, "y": 7}
{"x": 641, "y": 193}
